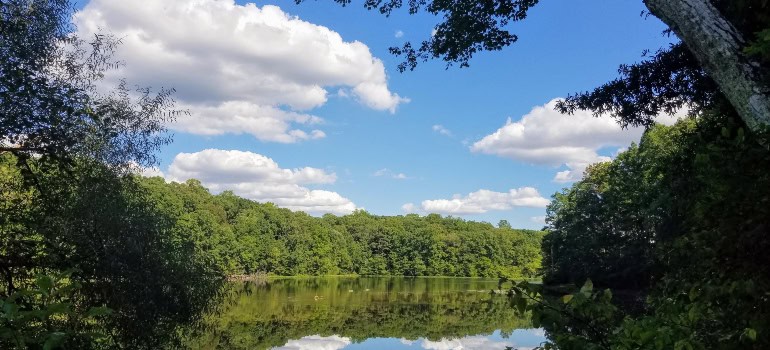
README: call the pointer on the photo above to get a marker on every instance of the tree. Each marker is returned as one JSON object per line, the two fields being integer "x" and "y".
{"x": 716, "y": 33}
{"x": 85, "y": 259}
{"x": 680, "y": 220}
{"x": 719, "y": 47}
{"x": 52, "y": 108}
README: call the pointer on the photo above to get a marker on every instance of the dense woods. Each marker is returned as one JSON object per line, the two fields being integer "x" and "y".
{"x": 678, "y": 220}
{"x": 245, "y": 237}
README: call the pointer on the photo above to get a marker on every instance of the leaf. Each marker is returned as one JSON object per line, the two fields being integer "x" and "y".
{"x": 692, "y": 315}
{"x": 58, "y": 308}
{"x": 566, "y": 299}
{"x": 99, "y": 311}
{"x": 587, "y": 288}
{"x": 54, "y": 340}
{"x": 694, "y": 292}
{"x": 45, "y": 283}
{"x": 607, "y": 296}
{"x": 521, "y": 304}
{"x": 751, "y": 333}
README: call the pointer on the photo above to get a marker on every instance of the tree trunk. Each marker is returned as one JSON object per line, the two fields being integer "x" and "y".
{"x": 718, "y": 46}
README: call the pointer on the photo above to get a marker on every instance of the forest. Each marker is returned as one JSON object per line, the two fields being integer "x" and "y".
{"x": 244, "y": 237}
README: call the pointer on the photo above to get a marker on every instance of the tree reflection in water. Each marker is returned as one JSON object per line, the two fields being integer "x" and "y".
{"x": 332, "y": 313}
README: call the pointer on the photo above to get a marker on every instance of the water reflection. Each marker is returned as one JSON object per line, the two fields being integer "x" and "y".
{"x": 366, "y": 313}
{"x": 520, "y": 339}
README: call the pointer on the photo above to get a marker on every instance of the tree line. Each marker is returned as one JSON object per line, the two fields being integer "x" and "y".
{"x": 245, "y": 237}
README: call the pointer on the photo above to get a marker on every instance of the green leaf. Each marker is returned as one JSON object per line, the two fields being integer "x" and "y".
{"x": 587, "y": 288}
{"x": 607, "y": 296}
{"x": 751, "y": 333}
{"x": 694, "y": 292}
{"x": 99, "y": 311}
{"x": 58, "y": 308}
{"x": 567, "y": 298}
{"x": 692, "y": 315}
{"x": 45, "y": 283}
{"x": 521, "y": 304}
{"x": 54, "y": 340}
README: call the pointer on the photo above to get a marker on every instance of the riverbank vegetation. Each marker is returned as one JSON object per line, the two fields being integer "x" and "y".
{"x": 246, "y": 237}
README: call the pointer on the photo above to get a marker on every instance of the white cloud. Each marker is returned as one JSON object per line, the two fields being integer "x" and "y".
{"x": 257, "y": 177}
{"x": 466, "y": 343}
{"x": 409, "y": 208}
{"x": 547, "y": 137}
{"x": 151, "y": 172}
{"x": 238, "y": 68}
{"x": 575, "y": 170}
{"x": 538, "y": 219}
{"x": 385, "y": 172}
{"x": 399, "y": 34}
{"x": 316, "y": 342}
{"x": 442, "y": 130}
{"x": 266, "y": 123}
{"x": 480, "y": 202}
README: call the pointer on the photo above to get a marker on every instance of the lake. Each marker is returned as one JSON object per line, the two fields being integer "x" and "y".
{"x": 332, "y": 313}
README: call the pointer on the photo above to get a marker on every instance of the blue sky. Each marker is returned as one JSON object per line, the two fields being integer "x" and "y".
{"x": 329, "y": 125}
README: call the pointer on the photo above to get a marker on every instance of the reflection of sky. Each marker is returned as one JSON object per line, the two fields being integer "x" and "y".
{"x": 316, "y": 342}
{"x": 520, "y": 339}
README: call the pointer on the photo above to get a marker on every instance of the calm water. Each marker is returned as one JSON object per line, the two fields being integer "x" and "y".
{"x": 366, "y": 313}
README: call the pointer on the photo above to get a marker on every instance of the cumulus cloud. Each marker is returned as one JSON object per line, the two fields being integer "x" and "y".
{"x": 260, "y": 178}
{"x": 266, "y": 123}
{"x": 442, "y": 130}
{"x": 547, "y": 137}
{"x": 150, "y": 172}
{"x": 238, "y": 68}
{"x": 385, "y": 172}
{"x": 480, "y": 202}
{"x": 575, "y": 170}
{"x": 316, "y": 342}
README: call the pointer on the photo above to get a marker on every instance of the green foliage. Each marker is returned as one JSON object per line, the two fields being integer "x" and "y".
{"x": 77, "y": 234}
{"x": 245, "y": 237}
{"x": 118, "y": 246}
{"x": 54, "y": 318}
{"x": 51, "y": 107}
{"x": 685, "y": 213}
{"x": 468, "y": 27}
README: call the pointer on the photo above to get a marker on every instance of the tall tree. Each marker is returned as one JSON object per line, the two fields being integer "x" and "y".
{"x": 78, "y": 236}
{"x": 719, "y": 47}
{"x": 708, "y": 29}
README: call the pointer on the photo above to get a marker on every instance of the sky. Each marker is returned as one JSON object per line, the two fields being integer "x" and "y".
{"x": 303, "y": 105}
